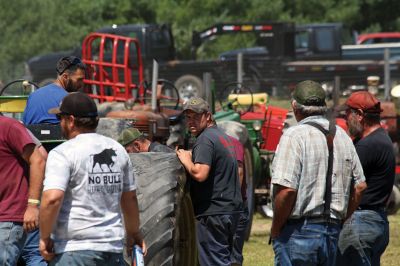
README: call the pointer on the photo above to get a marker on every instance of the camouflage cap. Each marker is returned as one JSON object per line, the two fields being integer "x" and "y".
{"x": 309, "y": 93}
{"x": 128, "y": 135}
{"x": 197, "y": 105}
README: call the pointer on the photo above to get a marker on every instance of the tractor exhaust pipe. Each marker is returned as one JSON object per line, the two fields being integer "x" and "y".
{"x": 154, "y": 86}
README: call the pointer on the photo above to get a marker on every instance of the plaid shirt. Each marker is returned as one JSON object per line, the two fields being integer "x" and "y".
{"x": 301, "y": 163}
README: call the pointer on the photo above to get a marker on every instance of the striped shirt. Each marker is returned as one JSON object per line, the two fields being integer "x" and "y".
{"x": 301, "y": 163}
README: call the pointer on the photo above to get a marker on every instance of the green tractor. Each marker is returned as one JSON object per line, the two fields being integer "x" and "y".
{"x": 259, "y": 126}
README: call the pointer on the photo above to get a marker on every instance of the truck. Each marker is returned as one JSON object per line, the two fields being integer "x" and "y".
{"x": 287, "y": 53}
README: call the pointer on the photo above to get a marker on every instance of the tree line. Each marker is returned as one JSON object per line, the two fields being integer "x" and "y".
{"x": 30, "y": 28}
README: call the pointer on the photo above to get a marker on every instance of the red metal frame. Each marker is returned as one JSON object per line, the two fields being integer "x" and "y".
{"x": 106, "y": 75}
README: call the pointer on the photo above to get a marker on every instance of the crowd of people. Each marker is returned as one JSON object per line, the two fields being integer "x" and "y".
{"x": 77, "y": 204}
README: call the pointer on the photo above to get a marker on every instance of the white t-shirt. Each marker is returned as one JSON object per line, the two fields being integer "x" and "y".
{"x": 93, "y": 171}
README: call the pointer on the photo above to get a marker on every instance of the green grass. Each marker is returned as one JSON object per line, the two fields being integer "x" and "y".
{"x": 257, "y": 252}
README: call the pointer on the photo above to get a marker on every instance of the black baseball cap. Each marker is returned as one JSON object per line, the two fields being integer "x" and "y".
{"x": 77, "y": 104}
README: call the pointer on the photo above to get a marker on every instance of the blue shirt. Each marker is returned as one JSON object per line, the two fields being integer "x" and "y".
{"x": 39, "y": 103}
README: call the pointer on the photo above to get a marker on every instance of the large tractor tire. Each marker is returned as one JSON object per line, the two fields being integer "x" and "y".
{"x": 239, "y": 131}
{"x": 393, "y": 204}
{"x": 166, "y": 214}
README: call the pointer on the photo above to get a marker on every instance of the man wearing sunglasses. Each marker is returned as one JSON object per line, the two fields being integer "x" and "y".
{"x": 71, "y": 72}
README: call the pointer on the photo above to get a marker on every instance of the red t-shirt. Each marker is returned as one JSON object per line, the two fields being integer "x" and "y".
{"x": 13, "y": 170}
{"x": 239, "y": 151}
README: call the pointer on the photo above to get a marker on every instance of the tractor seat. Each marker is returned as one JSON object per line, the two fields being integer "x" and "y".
{"x": 245, "y": 99}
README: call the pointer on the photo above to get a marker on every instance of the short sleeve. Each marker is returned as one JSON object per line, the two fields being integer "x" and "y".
{"x": 129, "y": 177}
{"x": 203, "y": 151}
{"x": 358, "y": 173}
{"x": 18, "y": 138}
{"x": 286, "y": 166}
{"x": 58, "y": 171}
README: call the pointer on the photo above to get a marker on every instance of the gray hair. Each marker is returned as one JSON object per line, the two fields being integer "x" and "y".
{"x": 310, "y": 110}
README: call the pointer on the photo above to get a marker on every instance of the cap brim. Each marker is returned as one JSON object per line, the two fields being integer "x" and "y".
{"x": 54, "y": 110}
{"x": 194, "y": 110}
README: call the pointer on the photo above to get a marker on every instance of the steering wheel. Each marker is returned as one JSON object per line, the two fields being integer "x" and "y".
{"x": 235, "y": 88}
{"x": 167, "y": 94}
{"x": 24, "y": 84}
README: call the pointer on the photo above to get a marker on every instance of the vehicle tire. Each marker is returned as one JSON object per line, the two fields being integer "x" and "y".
{"x": 189, "y": 86}
{"x": 45, "y": 82}
{"x": 393, "y": 204}
{"x": 239, "y": 131}
{"x": 166, "y": 212}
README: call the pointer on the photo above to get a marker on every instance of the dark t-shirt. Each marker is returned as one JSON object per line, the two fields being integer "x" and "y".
{"x": 158, "y": 147}
{"x": 13, "y": 170}
{"x": 378, "y": 162}
{"x": 220, "y": 192}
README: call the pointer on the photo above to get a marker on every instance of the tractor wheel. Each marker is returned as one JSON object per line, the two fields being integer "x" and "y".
{"x": 393, "y": 204}
{"x": 166, "y": 213}
{"x": 239, "y": 131}
{"x": 249, "y": 175}
{"x": 189, "y": 86}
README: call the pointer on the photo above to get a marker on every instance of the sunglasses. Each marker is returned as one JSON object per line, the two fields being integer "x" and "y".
{"x": 70, "y": 63}
{"x": 59, "y": 115}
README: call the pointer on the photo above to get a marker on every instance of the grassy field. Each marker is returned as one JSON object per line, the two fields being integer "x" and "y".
{"x": 257, "y": 252}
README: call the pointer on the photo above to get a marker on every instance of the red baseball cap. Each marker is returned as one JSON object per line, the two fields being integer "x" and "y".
{"x": 365, "y": 101}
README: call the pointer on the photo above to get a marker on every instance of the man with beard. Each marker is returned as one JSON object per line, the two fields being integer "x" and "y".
{"x": 89, "y": 186}
{"x": 71, "y": 72}
{"x": 317, "y": 183}
{"x": 214, "y": 184}
{"x": 365, "y": 235}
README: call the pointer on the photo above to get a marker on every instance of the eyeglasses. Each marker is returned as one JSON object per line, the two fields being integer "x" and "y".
{"x": 75, "y": 62}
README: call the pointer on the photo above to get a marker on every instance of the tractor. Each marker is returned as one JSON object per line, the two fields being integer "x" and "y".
{"x": 115, "y": 81}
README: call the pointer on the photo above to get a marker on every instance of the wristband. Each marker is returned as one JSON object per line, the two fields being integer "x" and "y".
{"x": 33, "y": 201}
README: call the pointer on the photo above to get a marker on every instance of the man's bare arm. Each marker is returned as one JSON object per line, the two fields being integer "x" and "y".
{"x": 198, "y": 171}
{"x": 52, "y": 200}
{"x": 355, "y": 198}
{"x": 284, "y": 201}
{"x": 34, "y": 158}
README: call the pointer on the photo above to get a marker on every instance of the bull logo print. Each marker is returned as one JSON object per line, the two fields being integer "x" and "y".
{"x": 104, "y": 158}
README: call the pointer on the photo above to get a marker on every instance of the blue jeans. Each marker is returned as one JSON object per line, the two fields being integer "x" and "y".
{"x": 238, "y": 239}
{"x": 12, "y": 239}
{"x": 30, "y": 253}
{"x": 364, "y": 238}
{"x": 304, "y": 243}
{"x": 215, "y": 238}
{"x": 88, "y": 258}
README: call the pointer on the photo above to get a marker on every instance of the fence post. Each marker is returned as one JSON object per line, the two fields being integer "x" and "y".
{"x": 387, "y": 74}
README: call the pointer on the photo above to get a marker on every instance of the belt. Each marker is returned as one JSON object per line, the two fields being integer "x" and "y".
{"x": 315, "y": 220}
{"x": 372, "y": 208}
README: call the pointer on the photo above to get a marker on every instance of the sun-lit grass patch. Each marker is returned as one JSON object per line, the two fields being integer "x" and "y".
{"x": 257, "y": 252}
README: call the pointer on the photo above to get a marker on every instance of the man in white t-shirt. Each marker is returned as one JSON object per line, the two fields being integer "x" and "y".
{"x": 88, "y": 183}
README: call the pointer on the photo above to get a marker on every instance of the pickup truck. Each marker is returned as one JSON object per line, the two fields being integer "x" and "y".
{"x": 287, "y": 54}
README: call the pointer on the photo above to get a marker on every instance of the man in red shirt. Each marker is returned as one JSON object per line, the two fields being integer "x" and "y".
{"x": 19, "y": 197}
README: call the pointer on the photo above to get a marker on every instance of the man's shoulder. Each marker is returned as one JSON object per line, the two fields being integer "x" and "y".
{"x": 48, "y": 90}
{"x": 7, "y": 120}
